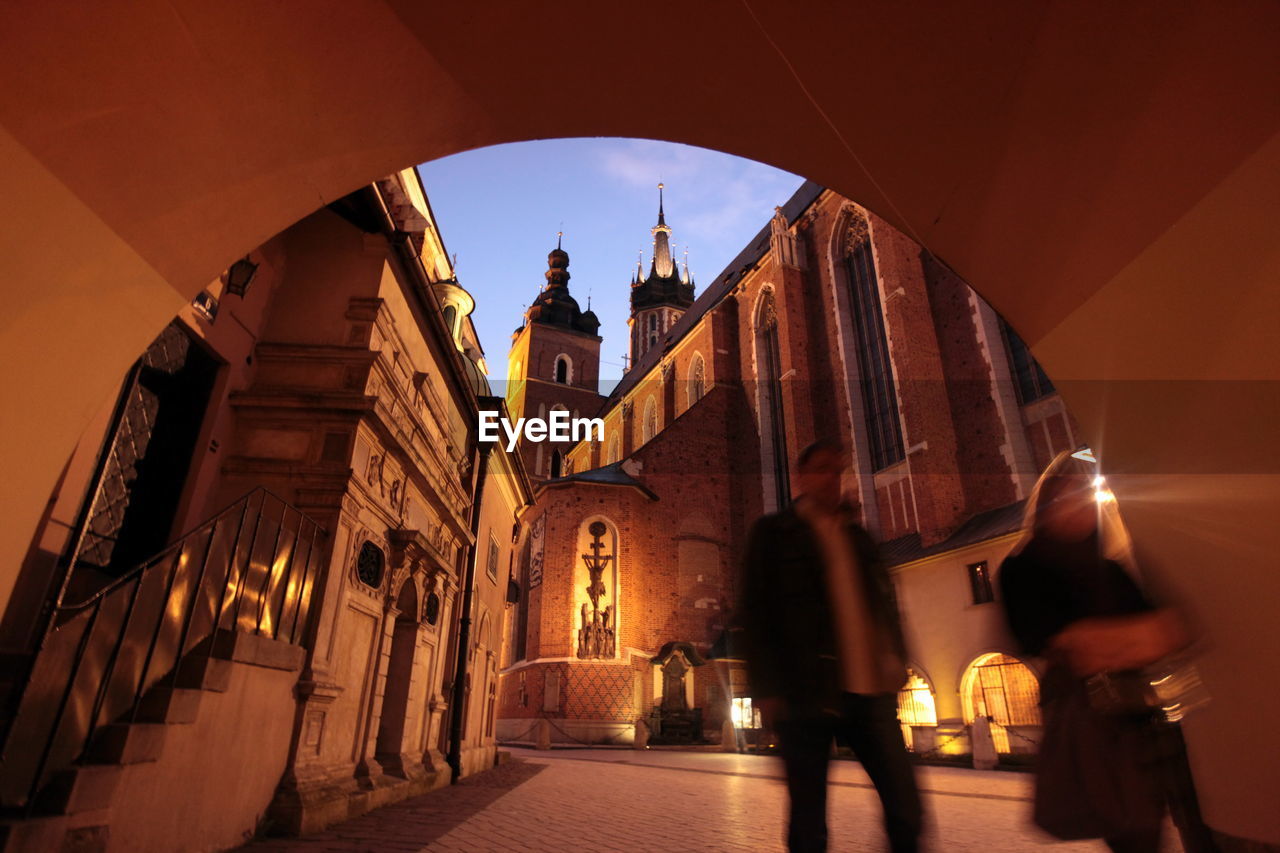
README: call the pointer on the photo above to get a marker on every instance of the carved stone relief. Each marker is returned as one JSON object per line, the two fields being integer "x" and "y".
{"x": 857, "y": 232}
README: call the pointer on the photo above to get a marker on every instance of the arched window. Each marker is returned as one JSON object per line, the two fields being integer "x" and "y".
{"x": 653, "y": 322}
{"x": 451, "y": 318}
{"x": 773, "y": 420}
{"x": 650, "y": 419}
{"x": 557, "y": 463}
{"x": 1004, "y": 689}
{"x": 615, "y": 450}
{"x": 563, "y": 369}
{"x": 879, "y": 395}
{"x": 697, "y": 378}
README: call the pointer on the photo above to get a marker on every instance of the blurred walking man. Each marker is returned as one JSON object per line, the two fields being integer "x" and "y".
{"x": 825, "y": 652}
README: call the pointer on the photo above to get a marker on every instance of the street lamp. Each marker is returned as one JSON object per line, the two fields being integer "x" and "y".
{"x": 239, "y": 276}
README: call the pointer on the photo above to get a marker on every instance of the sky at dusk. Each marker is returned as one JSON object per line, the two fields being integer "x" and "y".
{"x": 499, "y": 209}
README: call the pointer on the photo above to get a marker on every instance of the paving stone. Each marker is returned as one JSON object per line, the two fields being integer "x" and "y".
{"x": 618, "y": 801}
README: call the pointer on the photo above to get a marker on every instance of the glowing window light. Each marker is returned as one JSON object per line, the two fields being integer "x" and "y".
{"x": 915, "y": 702}
{"x": 743, "y": 715}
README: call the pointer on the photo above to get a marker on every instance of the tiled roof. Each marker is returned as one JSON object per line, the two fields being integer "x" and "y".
{"x": 608, "y": 475}
{"x": 979, "y": 528}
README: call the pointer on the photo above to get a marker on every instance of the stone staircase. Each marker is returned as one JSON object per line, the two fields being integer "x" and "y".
{"x": 72, "y": 812}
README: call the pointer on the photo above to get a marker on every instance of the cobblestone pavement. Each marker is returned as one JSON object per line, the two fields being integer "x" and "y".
{"x": 595, "y": 800}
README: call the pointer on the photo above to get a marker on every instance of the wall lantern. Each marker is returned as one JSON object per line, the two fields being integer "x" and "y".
{"x": 239, "y": 276}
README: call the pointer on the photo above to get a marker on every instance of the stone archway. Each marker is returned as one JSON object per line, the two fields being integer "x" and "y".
{"x": 1093, "y": 183}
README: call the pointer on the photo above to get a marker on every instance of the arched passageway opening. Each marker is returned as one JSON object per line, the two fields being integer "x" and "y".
{"x": 1005, "y": 691}
{"x": 1093, "y": 181}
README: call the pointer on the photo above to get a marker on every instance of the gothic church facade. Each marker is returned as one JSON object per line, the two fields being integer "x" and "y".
{"x": 829, "y": 324}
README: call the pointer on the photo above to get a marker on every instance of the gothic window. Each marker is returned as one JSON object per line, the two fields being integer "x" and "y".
{"x": 650, "y": 419}
{"x": 696, "y": 380}
{"x": 557, "y": 464}
{"x": 1028, "y": 377}
{"x": 879, "y": 396}
{"x": 653, "y": 322}
{"x": 370, "y": 564}
{"x": 562, "y": 369}
{"x": 615, "y": 452}
{"x": 773, "y": 414}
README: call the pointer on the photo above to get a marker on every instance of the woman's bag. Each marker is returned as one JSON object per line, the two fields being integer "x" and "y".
{"x": 1170, "y": 687}
{"x": 1096, "y": 776}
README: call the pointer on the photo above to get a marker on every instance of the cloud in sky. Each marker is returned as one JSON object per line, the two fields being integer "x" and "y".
{"x": 499, "y": 209}
{"x": 712, "y": 198}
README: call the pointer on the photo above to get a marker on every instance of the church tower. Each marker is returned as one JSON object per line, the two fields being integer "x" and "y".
{"x": 657, "y": 300}
{"x": 554, "y": 364}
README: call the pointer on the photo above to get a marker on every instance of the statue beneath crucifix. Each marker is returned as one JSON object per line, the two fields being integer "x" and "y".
{"x": 596, "y": 632}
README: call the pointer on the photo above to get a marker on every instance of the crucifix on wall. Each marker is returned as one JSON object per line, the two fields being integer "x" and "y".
{"x": 596, "y": 633}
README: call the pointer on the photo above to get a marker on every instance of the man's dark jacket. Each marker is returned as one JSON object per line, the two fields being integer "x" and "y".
{"x": 788, "y": 629}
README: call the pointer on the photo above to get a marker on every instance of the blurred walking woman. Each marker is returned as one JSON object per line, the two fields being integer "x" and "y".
{"x": 1110, "y": 762}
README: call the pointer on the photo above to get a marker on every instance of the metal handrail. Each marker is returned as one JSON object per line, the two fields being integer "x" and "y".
{"x": 250, "y": 568}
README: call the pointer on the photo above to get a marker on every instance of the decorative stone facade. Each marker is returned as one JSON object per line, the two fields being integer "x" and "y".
{"x": 346, "y": 379}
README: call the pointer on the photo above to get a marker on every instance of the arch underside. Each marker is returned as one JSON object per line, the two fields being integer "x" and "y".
{"x": 1118, "y": 207}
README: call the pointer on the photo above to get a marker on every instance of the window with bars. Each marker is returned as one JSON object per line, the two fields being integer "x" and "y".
{"x": 980, "y": 583}
{"x": 1029, "y": 378}
{"x": 879, "y": 397}
{"x": 915, "y": 702}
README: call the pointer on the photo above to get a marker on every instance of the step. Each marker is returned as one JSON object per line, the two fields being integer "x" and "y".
{"x": 90, "y": 838}
{"x": 126, "y": 743}
{"x": 245, "y": 647}
{"x": 204, "y": 673}
{"x": 33, "y": 834}
{"x": 80, "y": 788}
{"x": 173, "y": 705}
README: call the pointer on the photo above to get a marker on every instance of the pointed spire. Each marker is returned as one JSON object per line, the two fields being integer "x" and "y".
{"x": 559, "y": 237}
{"x": 662, "y": 263}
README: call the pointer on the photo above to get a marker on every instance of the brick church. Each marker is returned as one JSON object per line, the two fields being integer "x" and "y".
{"x": 829, "y": 324}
